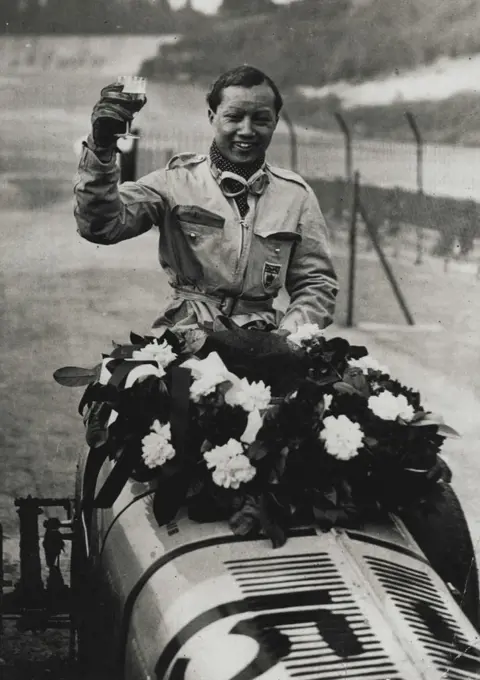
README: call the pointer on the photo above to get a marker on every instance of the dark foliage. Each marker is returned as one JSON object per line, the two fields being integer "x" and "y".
{"x": 293, "y": 473}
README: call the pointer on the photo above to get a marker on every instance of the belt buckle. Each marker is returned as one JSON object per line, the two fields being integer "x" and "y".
{"x": 228, "y": 305}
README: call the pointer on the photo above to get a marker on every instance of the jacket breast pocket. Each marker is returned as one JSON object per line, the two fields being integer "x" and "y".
{"x": 271, "y": 254}
{"x": 195, "y": 215}
{"x": 198, "y": 240}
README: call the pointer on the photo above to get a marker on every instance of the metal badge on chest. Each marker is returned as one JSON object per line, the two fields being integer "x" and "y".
{"x": 270, "y": 274}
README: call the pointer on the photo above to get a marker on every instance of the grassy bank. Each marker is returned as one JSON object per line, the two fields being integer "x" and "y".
{"x": 455, "y": 120}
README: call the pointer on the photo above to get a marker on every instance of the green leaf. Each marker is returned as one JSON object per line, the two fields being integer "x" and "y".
{"x": 345, "y": 388}
{"x": 273, "y": 518}
{"x": 194, "y": 340}
{"x": 97, "y": 432}
{"x": 319, "y": 409}
{"x": 173, "y": 467}
{"x": 332, "y": 496}
{"x": 242, "y": 524}
{"x": 74, "y": 376}
{"x": 279, "y": 465}
{"x": 420, "y": 415}
{"x": 206, "y": 446}
{"x": 124, "y": 351}
{"x": 355, "y": 378}
{"x": 176, "y": 342}
{"x": 357, "y": 351}
{"x": 435, "y": 420}
{"x": 247, "y": 518}
{"x": 86, "y": 399}
{"x": 325, "y": 380}
{"x": 447, "y": 431}
{"x": 291, "y": 396}
{"x": 256, "y": 451}
{"x": 327, "y": 518}
{"x": 426, "y": 418}
{"x": 272, "y": 412}
{"x": 136, "y": 339}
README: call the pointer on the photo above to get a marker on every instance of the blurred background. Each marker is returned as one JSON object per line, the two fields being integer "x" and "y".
{"x": 388, "y": 89}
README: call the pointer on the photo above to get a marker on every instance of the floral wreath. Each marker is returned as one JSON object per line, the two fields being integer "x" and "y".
{"x": 258, "y": 429}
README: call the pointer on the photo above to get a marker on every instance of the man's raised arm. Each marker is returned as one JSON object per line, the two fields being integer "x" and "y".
{"x": 105, "y": 211}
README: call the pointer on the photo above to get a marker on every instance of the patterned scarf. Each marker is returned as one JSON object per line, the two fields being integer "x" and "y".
{"x": 245, "y": 171}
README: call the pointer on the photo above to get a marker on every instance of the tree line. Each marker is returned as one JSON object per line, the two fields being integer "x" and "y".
{"x": 115, "y": 16}
{"x": 86, "y": 16}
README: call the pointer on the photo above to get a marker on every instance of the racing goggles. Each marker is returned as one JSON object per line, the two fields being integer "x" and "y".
{"x": 233, "y": 185}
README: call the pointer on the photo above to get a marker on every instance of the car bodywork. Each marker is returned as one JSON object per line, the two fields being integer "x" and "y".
{"x": 190, "y": 601}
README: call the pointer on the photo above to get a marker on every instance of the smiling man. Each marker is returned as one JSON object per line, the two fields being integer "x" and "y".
{"x": 234, "y": 230}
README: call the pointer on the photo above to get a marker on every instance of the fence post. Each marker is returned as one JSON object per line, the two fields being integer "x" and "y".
{"x": 168, "y": 154}
{"x": 352, "y": 252}
{"x": 419, "y": 146}
{"x": 293, "y": 141}
{"x": 386, "y": 266}
{"x": 348, "y": 145}
{"x": 2, "y": 579}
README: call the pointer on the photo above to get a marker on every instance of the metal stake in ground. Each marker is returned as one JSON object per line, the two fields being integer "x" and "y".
{"x": 385, "y": 264}
{"x": 352, "y": 252}
{"x": 419, "y": 143}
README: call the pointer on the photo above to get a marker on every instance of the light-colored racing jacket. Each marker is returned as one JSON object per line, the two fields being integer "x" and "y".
{"x": 217, "y": 261}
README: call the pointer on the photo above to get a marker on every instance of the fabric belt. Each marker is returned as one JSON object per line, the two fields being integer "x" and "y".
{"x": 227, "y": 305}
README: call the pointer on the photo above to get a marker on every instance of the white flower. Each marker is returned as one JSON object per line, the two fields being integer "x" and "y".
{"x": 238, "y": 470}
{"x": 162, "y": 353}
{"x": 211, "y": 364}
{"x": 304, "y": 333}
{"x": 200, "y": 388}
{"x": 250, "y": 396}
{"x": 327, "y": 401}
{"x": 207, "y": 374}
{"x": 367, "y": 363}
{"x": 254, "y": 423}
{"x": 156, "y": 446}
{"x": 389, "y": 407}
{"x": 220, "y": 455}
{"x": 342, "y": 437}
{"x": 231, "y": 466}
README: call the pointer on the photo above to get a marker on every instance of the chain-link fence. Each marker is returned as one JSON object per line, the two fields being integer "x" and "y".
{"x": 419, "y": 197}
{"x": 429, "y": 239}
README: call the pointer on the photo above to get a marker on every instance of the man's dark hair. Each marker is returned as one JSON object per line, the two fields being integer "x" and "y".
{"x": 241, "y": 76}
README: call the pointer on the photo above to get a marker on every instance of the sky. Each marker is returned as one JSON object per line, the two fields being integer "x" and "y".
{"x": 210, "y": 6}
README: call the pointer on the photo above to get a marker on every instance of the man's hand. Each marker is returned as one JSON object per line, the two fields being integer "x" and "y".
{"x": 111, "y": 114}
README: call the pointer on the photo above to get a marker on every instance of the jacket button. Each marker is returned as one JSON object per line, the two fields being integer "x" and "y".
{"x": 192, "y": 234}
{"x": 277, "y": 250}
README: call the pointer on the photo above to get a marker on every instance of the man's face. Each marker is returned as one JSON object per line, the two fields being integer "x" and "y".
{"x": 244, "y": 122}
